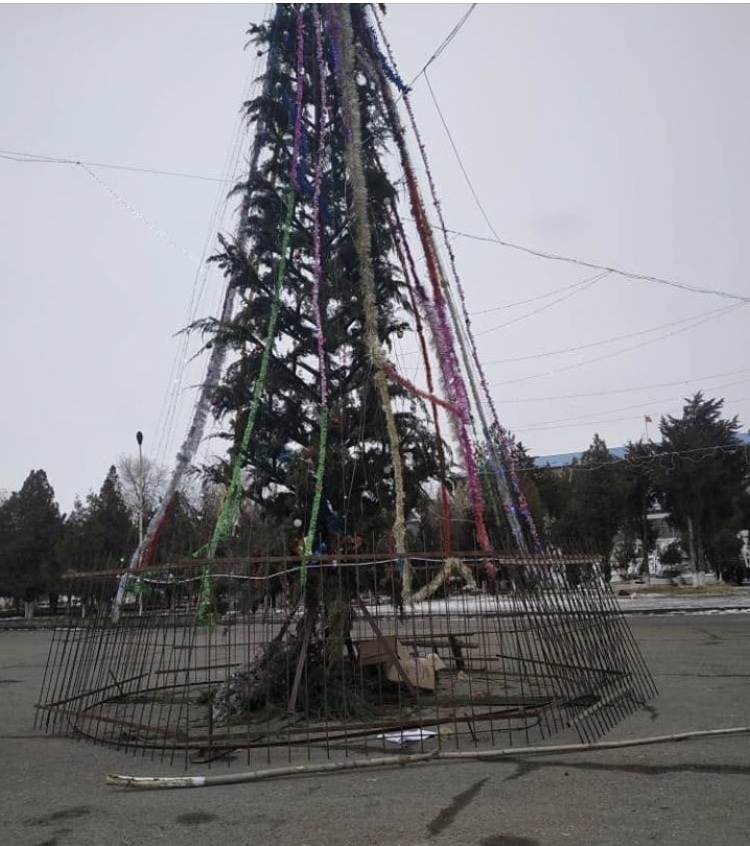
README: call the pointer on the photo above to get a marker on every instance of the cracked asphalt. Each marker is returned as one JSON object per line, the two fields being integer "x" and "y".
{"x": 692, "y": 793}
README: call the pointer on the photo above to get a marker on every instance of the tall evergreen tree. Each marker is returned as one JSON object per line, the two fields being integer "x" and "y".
{"x": 639, "y": 495}
{"x": 112, "y": 520}
{"x": 30, "y": 527}
{"x": 75, "y": 549}
{"x": 587, "y": 501}
{"x": 702, "y": 476}
{"x": 307, "y": 382}
{"x": 327, "y": 436}
{"x": 99, "y": 534}
{"x": 601, "y": 494}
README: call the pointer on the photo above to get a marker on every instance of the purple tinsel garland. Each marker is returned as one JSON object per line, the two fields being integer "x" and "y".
{"x": 505, "y": 445}
{"x": 300, "y": 89}
{"x": 317, "y": 261}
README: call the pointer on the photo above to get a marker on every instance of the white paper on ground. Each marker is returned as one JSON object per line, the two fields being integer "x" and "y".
{"x": 408, "y": 736}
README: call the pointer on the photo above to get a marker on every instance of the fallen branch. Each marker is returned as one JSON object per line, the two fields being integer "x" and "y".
{"x": 155, "y": 782}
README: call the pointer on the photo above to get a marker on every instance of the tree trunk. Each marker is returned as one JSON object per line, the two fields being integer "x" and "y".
{"x": 697, "y": 555}
{"x": 645, "y": 569}
{"x": 28, "y": 609}
{"x": 691, "y": 551}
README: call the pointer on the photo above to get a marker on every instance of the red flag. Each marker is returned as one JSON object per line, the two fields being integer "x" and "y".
{"x": 647, "y": 418}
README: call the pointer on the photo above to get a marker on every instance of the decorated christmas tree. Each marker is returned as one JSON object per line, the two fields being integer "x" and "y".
{"x": 340, "y": 453}
{"x": 321, "y": 421}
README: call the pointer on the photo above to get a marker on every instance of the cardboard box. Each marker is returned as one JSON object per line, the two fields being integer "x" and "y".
{"x": 420, "y": 670}
{"x": 374, "y": 651}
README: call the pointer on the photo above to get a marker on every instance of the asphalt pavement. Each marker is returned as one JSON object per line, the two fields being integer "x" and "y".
{"x": 692, "y": 793}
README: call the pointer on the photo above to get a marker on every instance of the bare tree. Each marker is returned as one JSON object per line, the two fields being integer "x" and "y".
{"x": 143, "y": 481}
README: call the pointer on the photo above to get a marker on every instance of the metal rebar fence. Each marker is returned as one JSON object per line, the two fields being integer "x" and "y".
{"x": 280, "y": 659}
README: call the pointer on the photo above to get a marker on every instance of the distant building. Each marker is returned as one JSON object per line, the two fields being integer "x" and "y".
{"x": 565, "y": 459}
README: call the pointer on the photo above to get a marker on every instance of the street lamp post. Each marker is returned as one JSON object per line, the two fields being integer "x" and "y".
{"x": 139, "y": 439}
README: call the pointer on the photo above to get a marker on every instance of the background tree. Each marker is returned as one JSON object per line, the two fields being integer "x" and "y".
{"x": 702, "y": 476}
{"x": 141, "y": 481}
{"x": 639, "y": 495}
{"x": 30, "y": 528}
{"x": 589, "y": 502}
{"x": 185, "y": 530}
{"x": 554, "y": 486}
{"x": 76, "y": 550}
{"x": 100, "y": 534}
{"x": 6, "y": 537}
{"x": 112, "y": 520}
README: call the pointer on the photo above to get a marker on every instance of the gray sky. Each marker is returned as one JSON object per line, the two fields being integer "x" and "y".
{"x": 615, "y": 134}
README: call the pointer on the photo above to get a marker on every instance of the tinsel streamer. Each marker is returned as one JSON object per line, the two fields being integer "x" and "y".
{"x": 450, "y": 565}
{"x": 443, "y": 341}
{"x": 506, "y": 449}
{"x": 332, "y": 28}
{"x": 318, "y": 495}
{"x": 444, "y": 337}
{"x": 187, "y": 451}
{"x": 387, "y": 67}
{"x": 317, "y": 278}
{"x": 390, "y": 370}
{"x": 506, "y": 453}
{"x": 502, "y": 485}
{"x": 447, "y": 356}
{"x": 203, "y": 614}
{"x": 203, "y": 404}
{"x": 414, "y": 286}
{"x": 317, "y": 250}
{"x": 363, "y": 244}
{"x": 229, "y": 511}
{"x": 510, "y": 460}
{"x": 300, "y": 91}
{"x": 148, "y": 553}
{"x": 449, "y": 362}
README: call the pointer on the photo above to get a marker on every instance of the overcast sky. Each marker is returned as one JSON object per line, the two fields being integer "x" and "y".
{"x": 614, "y": 134}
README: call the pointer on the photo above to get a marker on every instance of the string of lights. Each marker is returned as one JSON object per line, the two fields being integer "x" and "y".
{"x": 612, "y": 340}
{"x": 635, "y": 389}
{"x": 582, "y": 286}
{"x": 534, "y": 299}
{"x": 149, "y": 224}
{"x": 34, "y": 158}
{"x": 581, "y": 419}
{"x": 698, "y": 322}
{"x": 640, "y": 277}
{"x": 444, "y": 44}
{"x": 627, "y": 274}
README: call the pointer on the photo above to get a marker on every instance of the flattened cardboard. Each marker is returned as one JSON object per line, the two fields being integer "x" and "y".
{"x": 420, "y": 671}
{"x": 373, "y": 650}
